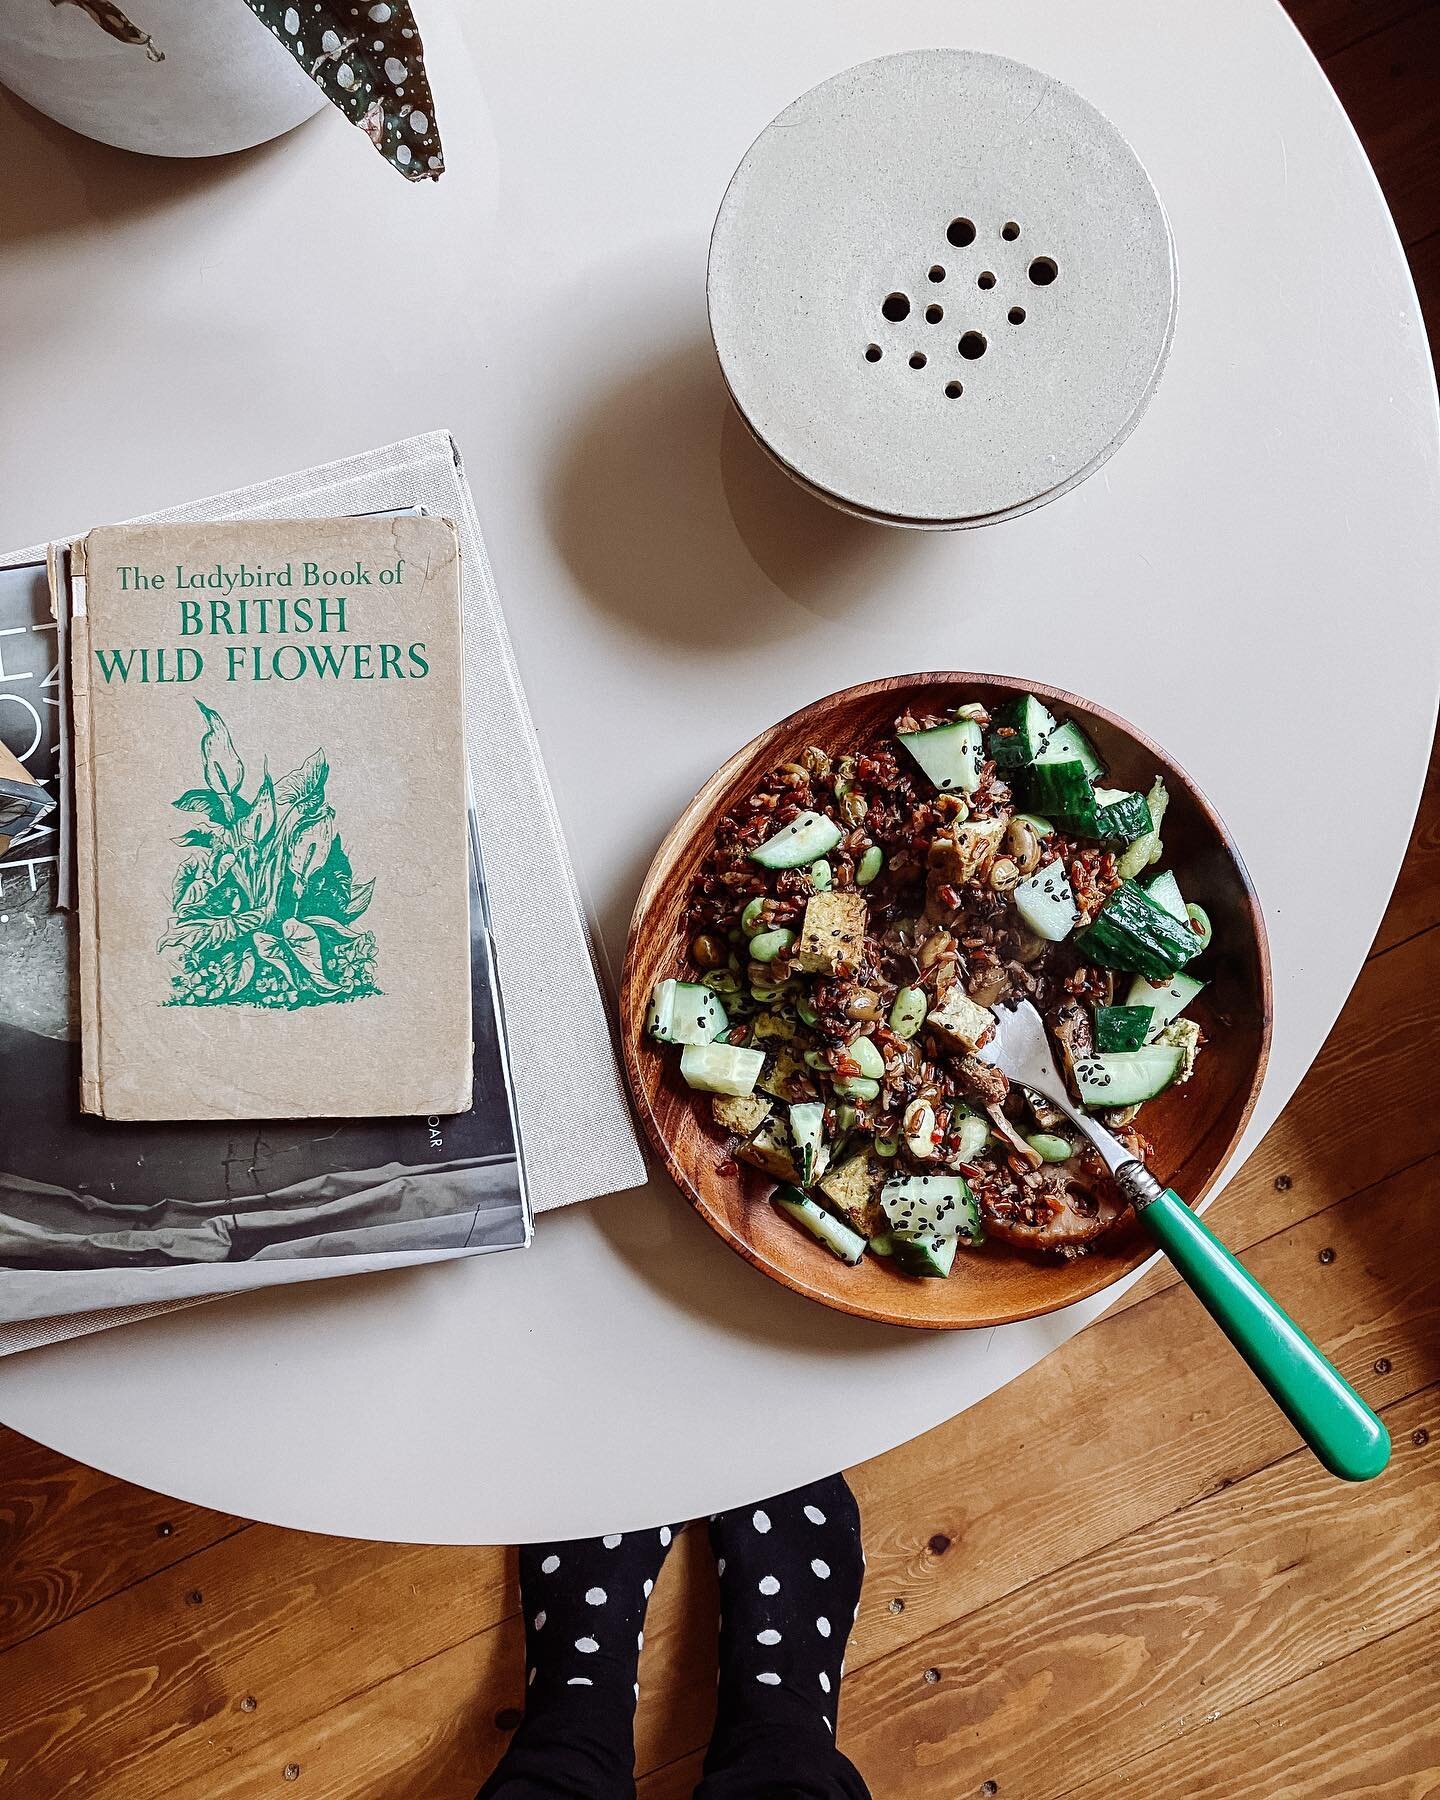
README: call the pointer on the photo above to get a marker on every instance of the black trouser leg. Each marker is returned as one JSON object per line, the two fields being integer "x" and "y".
{"x": 770, "y": 1760}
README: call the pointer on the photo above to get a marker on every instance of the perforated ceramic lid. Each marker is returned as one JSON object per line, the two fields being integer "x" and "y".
{"x": 942, "y": 288}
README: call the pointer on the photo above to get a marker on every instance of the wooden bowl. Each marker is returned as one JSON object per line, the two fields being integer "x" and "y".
{"x": 1193, "y": 1128}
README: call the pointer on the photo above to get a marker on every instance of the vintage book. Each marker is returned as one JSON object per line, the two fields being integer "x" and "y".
{"x": 270, "y": 819}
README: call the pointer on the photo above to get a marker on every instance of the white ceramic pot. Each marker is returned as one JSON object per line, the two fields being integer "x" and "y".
{"x": 973, "y": 305}
{"x": 224, "y": 82}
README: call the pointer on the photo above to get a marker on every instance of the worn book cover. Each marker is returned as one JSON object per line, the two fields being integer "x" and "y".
{"x": 270, "y": 814}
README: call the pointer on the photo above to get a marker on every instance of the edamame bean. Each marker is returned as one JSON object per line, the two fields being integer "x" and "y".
{"x": 768, "y": 944}
{"x": 869, "y": 866}
{"x": 865, "y": 1054}
{"x": 907, "y": 1015}
{"x": 1050, "y": 1148}
{"x": 858, "y": 1087}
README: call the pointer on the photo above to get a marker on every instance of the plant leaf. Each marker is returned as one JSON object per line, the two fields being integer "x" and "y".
{"x": 187, "y": 877}
{"x": 271, "y": 948}
{"x": 321, "y": 923}
{"x": 360, "y": 898}
{"x": 210, "y": 932}
{"x": 310, "y": 847}
{"x": 223, "y": 768}
{"x": 304, "y": 946}
{"x": 203, "y": 800}
{"x": 260, "y": 824}
{"x": 243, "y": 974}
{"x": 208, "y": 835}
{"x": 304, "y": 788}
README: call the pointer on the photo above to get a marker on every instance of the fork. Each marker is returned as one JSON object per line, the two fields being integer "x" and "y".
{"x": 1334, "y": 1421}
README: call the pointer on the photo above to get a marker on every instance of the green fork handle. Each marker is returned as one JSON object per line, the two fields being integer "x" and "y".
{"x": 1316, "y": 1398}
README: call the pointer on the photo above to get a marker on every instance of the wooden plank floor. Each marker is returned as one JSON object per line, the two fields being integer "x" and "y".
{"x": 1071, "y": 1591}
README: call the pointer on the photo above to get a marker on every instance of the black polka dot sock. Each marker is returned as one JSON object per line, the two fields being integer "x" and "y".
{"x": 584, "y": 1604}
{"x": 790, "y": 1573}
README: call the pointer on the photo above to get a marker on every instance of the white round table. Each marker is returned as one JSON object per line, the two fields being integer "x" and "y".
{"x": 1251, "y": 578}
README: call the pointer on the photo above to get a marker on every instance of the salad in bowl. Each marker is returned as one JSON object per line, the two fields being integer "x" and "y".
{"x": 856, "y": 917}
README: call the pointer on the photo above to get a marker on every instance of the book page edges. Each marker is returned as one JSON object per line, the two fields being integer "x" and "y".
{"x": 92, "y": 1090}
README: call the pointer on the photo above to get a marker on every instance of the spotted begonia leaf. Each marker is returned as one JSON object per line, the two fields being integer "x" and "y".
{"x": 366, "y": 57}
{"x": 110, "y": 19}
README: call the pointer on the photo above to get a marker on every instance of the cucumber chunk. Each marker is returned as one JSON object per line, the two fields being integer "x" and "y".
{"x": 684, "y": 1012}
{"x": 923, "y": 1254}
{"x": 951, "y": 755}
{"x": 974, "y": 1135}
{"x": 1046, "y": 902}
{"x": 1121, "y": 815}
{"x": 1062, "y": 791}
{"x": 1164, "y": 890}
{"x": 1135, "y": 933}
{"x": 937, "y": 1205}
{"x": 1123, "y": 1027}
{"x": 824, "y": 1227}
{"x": 807, "y": 1136}
{"x": 1128, "y": 1076}
{"x": 1146, "y": 850}
{"x": 721, "y": 1068}
{"x": 1069, "y": 743}
{"x": 1019, "y": 732}
{"x": 1166, "y": 1001}
{"x": 802, "y": 841}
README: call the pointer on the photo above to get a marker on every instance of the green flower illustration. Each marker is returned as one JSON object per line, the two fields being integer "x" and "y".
{"x": 265, "y": 903}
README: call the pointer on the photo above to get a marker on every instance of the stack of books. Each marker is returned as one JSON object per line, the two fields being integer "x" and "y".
{"x": 288, "y": 933}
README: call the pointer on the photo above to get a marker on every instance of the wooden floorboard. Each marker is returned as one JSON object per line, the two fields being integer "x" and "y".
{"x": 1124, "y": 1575}
{"x": 1350, "y": 1731}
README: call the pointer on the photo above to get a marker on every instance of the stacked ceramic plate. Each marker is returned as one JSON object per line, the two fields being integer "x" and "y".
{"x": 942, "y": 289}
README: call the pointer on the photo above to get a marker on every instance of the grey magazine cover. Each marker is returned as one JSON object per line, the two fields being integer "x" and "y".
{"x": 99, "y": 1214}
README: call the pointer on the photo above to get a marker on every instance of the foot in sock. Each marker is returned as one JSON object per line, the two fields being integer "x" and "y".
{"x": 584, "y": 1607}
{"x": 584, "y": 1603}
{"x": 790, "y": 1573}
